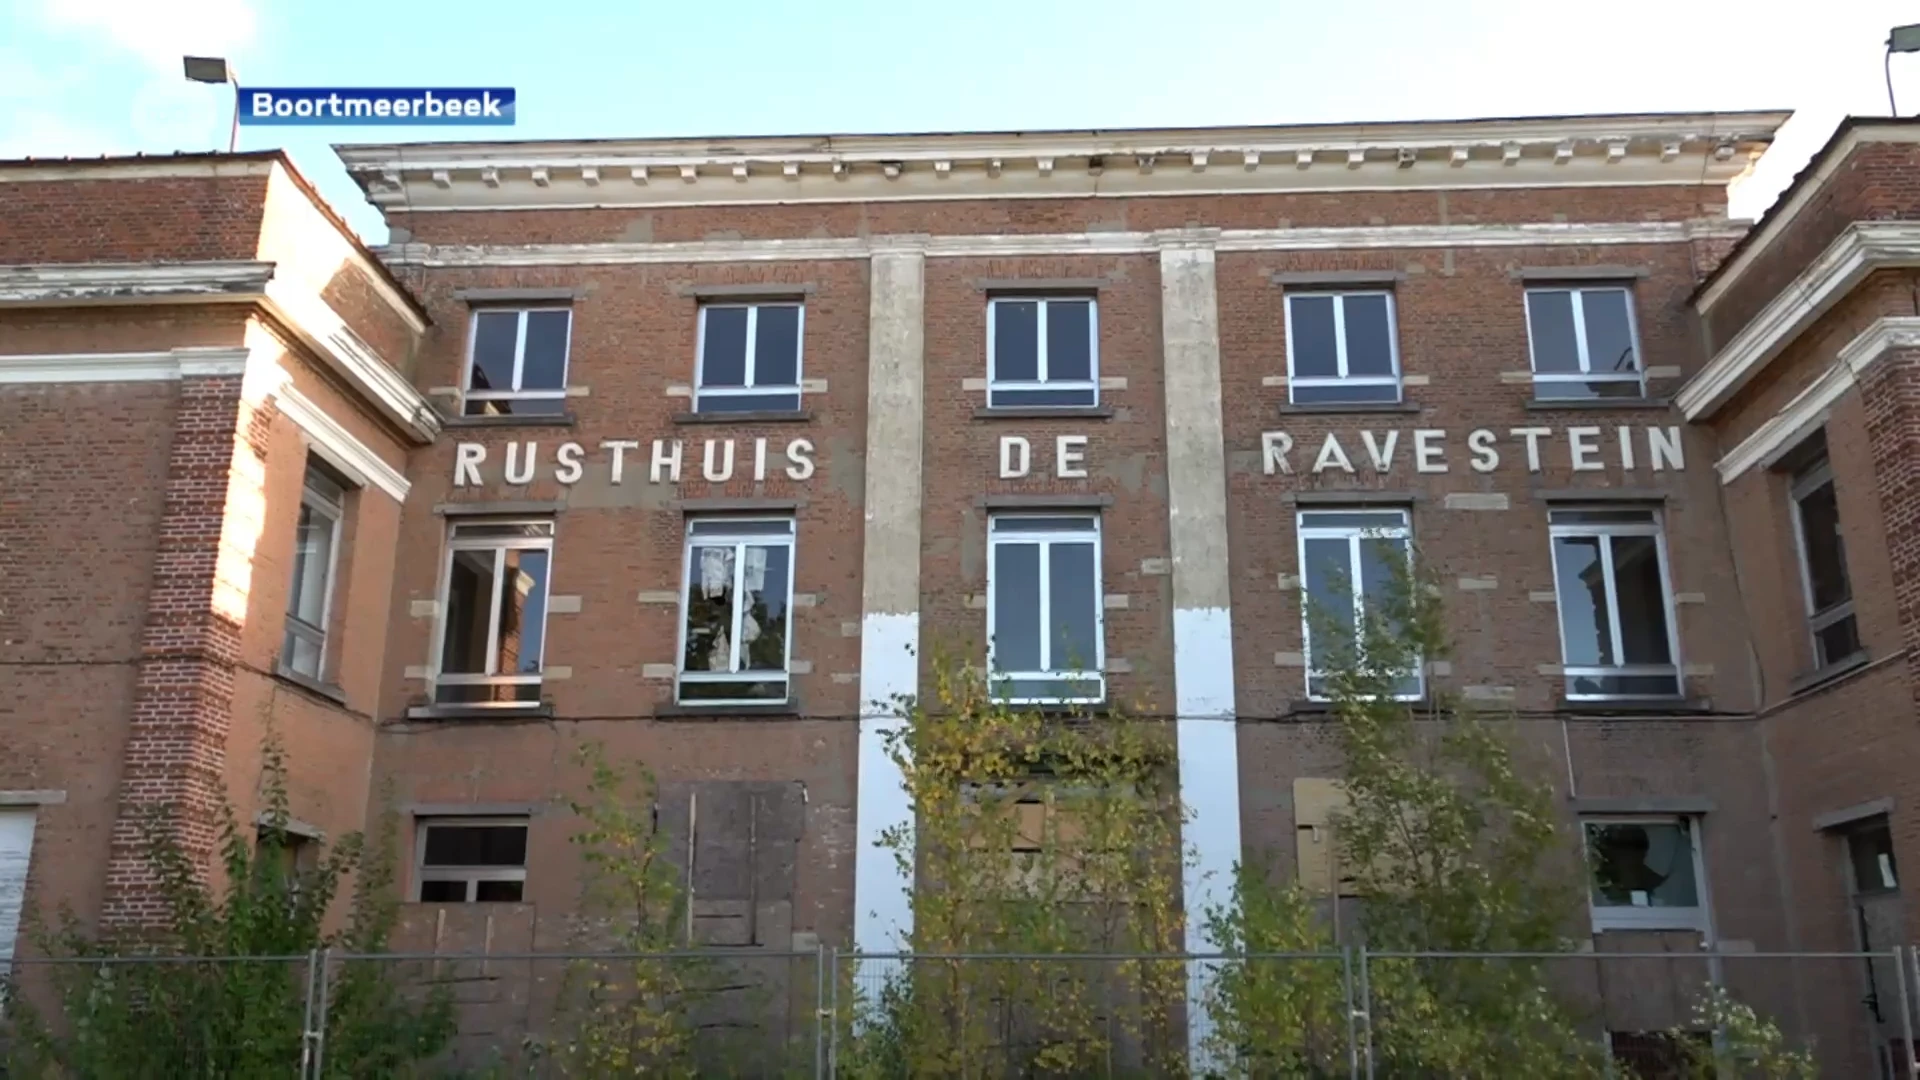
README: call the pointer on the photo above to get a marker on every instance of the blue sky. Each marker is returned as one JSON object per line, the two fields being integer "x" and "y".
{"x": 84, "y": 77}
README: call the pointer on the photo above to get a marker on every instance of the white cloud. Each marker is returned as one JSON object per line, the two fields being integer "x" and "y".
{"x": 160, "y": 32}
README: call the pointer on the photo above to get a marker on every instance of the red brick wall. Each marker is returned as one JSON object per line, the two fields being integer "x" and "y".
{"x": 176, "y": 219}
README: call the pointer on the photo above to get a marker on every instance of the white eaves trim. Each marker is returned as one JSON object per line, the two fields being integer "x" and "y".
{"x": 132, "y": 283}
{"x": 1864, "y": 247}
{"x": 338, "y": 446}
{"x": 1809, "y": 408}
{"x": 323, "y": 330}
{"x": 159, "y": 366}
{"x": 1015, "y": 245}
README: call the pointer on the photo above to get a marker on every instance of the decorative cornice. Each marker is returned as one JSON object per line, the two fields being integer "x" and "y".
{"x": 339, "y": 446}
{"x": 1092, "y": 243}
{"x": 311, "y": 318}
{"x": 1866, "y": 246}
{"x": 156, "y": 366}
{"x": 132, "y": 283}
{"x": 1808, "y": 409}
{"x": 1691, "y": 149}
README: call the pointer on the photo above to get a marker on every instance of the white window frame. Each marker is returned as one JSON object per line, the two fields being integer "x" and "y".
{"x": 1625, "y": 917}
{"x": 1338, "y": 297}
{"x": 1805, "y": 483}
{"x": 1652, "y": 527}
{"x": 715, "y": 532}
{"x": 1352, "y": 534}
{"x": 491, "y": 677}
{"x": 1044, "y": 539}
{"x": 748, "y": 386}
{"x": 470, "y": 875}
{"x": 1586, "y": 374}
{"x": 468, "y": 393}
{"x": 1040, "y": 381}
{"x": 313, "y": 498}
{"x": 17, "y": 824}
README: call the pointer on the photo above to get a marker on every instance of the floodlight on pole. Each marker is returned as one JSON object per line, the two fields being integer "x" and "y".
{"x": 215, "y": 69}
{"x": 1901, "y": 39}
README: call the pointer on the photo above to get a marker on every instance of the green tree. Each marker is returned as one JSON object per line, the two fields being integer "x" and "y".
{"x": 1037, "y": 835}
{"x": 220, "y": 986}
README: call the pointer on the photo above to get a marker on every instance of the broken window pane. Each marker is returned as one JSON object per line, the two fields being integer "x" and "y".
{"x": 710, "y": 610}
{"x": 1586, "y": 623}
{"x": 739, "y": 591}
{"x": 469, "y": 598}
{"x": 1642, "y": 864}
{"x": 494, "y": 626}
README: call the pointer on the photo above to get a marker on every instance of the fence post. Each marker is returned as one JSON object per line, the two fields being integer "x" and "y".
{"x": 1906, "y": 1010}
{"x": 320, "y": 1016}
{"x": 306, "y": 1021}
{"x": 1353, "y": 1033}
{"x": 833, "y": 1011}
{"x": 822, "y": 1016}
{"x": 1365, "y": 1015}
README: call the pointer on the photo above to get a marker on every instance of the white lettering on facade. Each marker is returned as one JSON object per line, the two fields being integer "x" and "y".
{"x": 1626, "y": 447}
{"x": 800, "y": 458}
{"x": 1069, "y": 457}
{"x": 567, "y": 466}
{"x": 1274, "y": 448}
{"x": 1533, "y": 435}
{"x": 664, "y": 462}
{"x": 1016, "y": 457}
{"x": 1663, "y": 447}
{"x": 759, "y": 459}
{"x": 520, "y": 462}
{"x": 1332, "y": 455}
{"x": 1428, "y": 455}
{"x": 724, "y": 471}
{"x": 1485, "y": 457}
{"x": 1583, "y": 448}
{"x": 1381, "y": 453}
{"x": 619, "y": 448}
{"x": 467, "y": 459}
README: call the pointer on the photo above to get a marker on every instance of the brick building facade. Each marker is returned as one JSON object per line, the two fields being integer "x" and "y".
{"x": 701, "y": 451}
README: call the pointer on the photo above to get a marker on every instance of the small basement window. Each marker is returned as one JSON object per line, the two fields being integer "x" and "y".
{"x": 471, "y": 860}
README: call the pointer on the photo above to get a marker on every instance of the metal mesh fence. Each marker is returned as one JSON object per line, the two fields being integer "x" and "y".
{"x": 1652, "y": 1014}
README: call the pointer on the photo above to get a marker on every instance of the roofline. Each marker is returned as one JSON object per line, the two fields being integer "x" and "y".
{"x": 273, "y": 156}
{"x": 1786, "y": 204}
{"x": 1765, "y": 120}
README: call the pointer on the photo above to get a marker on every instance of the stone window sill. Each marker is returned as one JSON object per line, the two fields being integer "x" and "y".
{"x": 1651, "y": 706}
{"x": 702, "y": 711}
{"x": 1309, "y": 709}
{"x": 1044, "y": 412}
{"x": 530, "y": 711}
{"x": 311, "y": 686}
{"x": 1821, "y": 676}
{"x": 509, "y": 421}
{"x": 1337, "y": 407}
{"x": 763, "y": 416}
{"x": 1577, "y": 404}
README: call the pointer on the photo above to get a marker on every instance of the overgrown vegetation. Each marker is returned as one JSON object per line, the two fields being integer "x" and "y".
{"x": 1036, "y": 833}
{"x": 127, "y": 1005}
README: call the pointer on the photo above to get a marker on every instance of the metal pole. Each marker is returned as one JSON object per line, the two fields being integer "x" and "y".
{"x": 1353, "y": 1035}
{"x": 1892, "y": 109}
{"x": 320, "y": 1032}
{"x": 306, "y": 1022}
{"x": 1366, "y": 1005}
{"x": 833, "y": 1009}
{"x": 822, "y": 1016}
{"x": 1906, "y": 1011}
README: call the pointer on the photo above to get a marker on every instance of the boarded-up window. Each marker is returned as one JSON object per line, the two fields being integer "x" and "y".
{"x": 738, "y": 870}
{"x": 1316, "y": 802}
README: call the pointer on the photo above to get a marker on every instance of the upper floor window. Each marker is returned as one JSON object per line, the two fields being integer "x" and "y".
{"x": 1043, "y": 351}
{"x": 1046, "y": 639}
{"x": 1823, "y": 563}
{"x": 1349, "y": 561}
{"x": 494, "y": 626}
{"x": 1342, "y": 347}
{"x": 1644, "y": 873}
{"x": 1584, "y": 343}
{"x": 738, "y": 610}
{"x": 470, "y": 860}
{"x": 316, "y": 556}
{"x": 517, "y": 361}
{"x": 1617, "y": 635}
{"x": 749, "y": 358}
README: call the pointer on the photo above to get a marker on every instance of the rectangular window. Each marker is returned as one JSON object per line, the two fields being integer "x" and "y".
{"x": 316, "y": 555}
{"x": 1870, "y": 854}
{"x": 738, "y": 610}
{"x": 470, "y": 860}
{"x": 1644, "y": 873}
{"x": 1046, "y": 638}
{"x": 1348, "y": 560}
{"x": 1342, "y": 347}
{"x": 1043, "y": 351}
{"x": 517, "y": 361}
{"x": 495, "y": 614}
{"x": 749, "y": 358}
{"x": 1823, "y": 564}
{"x": 1617, "y": 636}
{"x": 16, "y": 851}
{"x": 1584, "y": 343}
